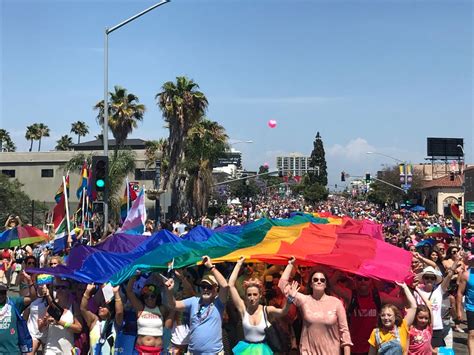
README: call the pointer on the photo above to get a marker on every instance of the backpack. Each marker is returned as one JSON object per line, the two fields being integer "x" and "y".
{"x": 353, "y": 305}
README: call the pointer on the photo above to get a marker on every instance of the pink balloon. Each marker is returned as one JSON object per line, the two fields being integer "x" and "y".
{"x": 266, "y": 165}
{"x": 272, "y": 123}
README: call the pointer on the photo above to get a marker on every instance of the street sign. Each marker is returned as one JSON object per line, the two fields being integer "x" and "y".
{"x": 470, "y": 207}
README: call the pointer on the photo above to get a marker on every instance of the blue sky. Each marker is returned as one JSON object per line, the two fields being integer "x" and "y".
{"x": 368, "y": 75}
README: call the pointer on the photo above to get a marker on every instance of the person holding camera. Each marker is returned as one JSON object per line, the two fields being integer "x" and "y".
{"x": 59, "y": 320}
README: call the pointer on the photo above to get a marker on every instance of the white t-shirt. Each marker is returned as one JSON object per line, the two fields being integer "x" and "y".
{"x": 37, "y": 310}
{"x": 436, "y": 299}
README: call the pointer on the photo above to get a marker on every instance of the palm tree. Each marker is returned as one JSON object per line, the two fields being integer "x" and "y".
{"x": 32, "y": 134}
{"x": 124, "y": 113}
{"x": 81, "y": 129}
{"x": 152, "y": 151}
{"x": 64, "y": 143}
{"x": 43, "y": 131}
{"x": 182, "y": 105}
{"x": 5, "y": 141}
{"x": 205, "y": 143}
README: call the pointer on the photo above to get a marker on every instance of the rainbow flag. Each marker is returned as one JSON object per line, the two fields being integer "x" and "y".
{"x": 44, "y": 279}
{"x": 60, "y": 191}
{"x": 83, "y": 180}
{"x": 457, "y": 219}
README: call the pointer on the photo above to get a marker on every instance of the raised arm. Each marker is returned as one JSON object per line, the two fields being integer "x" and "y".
{"x": 411, "y": 310}
{"x": 449, "y": 274}
{"x": 136, "y": 303}
{"x": 118, "y": 307}
{"x": 89, "y": 317}
{"x": 172, "y": 303}
{"x": 290, "y": 292}
{"x": 221, "y": 281}
{"x": 286, "y": 274}
{"x": 234, "y": 294}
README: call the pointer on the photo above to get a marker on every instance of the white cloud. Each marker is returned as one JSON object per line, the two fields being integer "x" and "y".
{"x": 355, "y": 149}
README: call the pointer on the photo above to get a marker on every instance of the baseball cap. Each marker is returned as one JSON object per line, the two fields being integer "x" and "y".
{"x": 210, "y": 279}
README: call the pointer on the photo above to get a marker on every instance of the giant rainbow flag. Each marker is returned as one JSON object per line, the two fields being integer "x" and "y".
{"x": 342, "y": 243}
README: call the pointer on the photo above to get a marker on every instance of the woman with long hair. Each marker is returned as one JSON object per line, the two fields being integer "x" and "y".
{"x": 325, "y": 329}
{"x": 255, "y": 316}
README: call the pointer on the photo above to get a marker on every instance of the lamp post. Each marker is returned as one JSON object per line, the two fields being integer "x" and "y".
{"x": 105, "y": 124}
{"x": 405, "y": 185}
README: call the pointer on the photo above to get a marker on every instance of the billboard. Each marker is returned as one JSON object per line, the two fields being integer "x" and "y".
{"x": 445, "y": 147}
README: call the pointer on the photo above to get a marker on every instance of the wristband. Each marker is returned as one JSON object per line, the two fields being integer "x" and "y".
{"x": 290, "y": 299}
{"x": 212, "y": 267}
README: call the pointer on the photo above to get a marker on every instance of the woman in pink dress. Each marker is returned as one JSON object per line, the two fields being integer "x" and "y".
{"x": 325, "y": 329}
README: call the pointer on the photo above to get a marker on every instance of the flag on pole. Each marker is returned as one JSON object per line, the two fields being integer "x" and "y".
{"x": 83, "y": 180}
{"x": 136, "y": 217}
{"x": 456, "y": 213}
{"x": 60, "y": 191}
{"x": 131, "y": 189}
{"x": 62, "y": 224}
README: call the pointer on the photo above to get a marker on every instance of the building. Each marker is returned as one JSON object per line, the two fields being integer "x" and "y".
{"x": 41, "y": 173}
{"x": 295, "y": 164}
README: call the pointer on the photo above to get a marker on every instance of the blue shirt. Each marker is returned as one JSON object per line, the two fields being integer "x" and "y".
{"x": 205, "y": 334}
{"x": 8, "y": 326}
{"x": 469, "y": 292}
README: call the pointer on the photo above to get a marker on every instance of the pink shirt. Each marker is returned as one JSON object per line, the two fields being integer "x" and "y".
{"x": 420, "y": 341}
{"x": 325, "y": 328}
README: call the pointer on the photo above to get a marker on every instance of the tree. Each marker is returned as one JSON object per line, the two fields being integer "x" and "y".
{"x": 32, "y": 134}
{"x": 182, "y": 106}
{"x": 153, "y": 150}
{"x": 79, "y": 128}
{"x": 120, "y": 165}
{"x": 124, "y": 114}
{"x": 6, "y": 143}
{"x": 315, "y": 193}
{"x": 318, "y": 163}
{"x": 16, "y": 202}
{"x": 64, "y": 143}
{"x": 205, "y": 143}
{"x": 43, "y": 131}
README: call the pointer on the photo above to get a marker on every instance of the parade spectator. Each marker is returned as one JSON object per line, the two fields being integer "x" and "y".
{"x": 103, "y": 326}
{"x": 325, "y": 329}
{"x": 256, "y": 317}
{"x": 59, "y": 321}
{"x": 206, "y": 311}
{"x": 35, "y": 312}
{"x": 8, "y": 318}
{"x": 12, "y": 222}
{"x": 466, "y": 290}
{"x": 391, "y": 334}
{"x": 152, "y": 317}
{"x": 433, "y": 287}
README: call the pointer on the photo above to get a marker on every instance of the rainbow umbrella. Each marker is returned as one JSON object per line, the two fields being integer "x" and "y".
{"x": 22, "y": 235}
{"x": 439, "y": 232}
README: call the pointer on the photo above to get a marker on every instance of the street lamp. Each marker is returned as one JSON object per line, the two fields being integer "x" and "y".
{"x": 388, "y": 156}
{"x": 405, "y": 178}
{"x": 105, "y": 124}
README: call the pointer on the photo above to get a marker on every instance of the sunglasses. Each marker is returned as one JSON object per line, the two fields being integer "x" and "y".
{"x": 206, "y": 286}
{"x": 432, "y": 278}
{"x": 317, "y": 279}
{"x": 53, "y": 264}
{"x": 151, "y": 295}
{"x": 30, "y": 263}
{"x": 454, "y": 251}
{"x": 61, "y": 287}
{"x": 362, "y": 278}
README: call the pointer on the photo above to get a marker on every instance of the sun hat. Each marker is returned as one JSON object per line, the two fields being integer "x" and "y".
{"x": 429, "y": 270}
{"x": 210, "y": 279}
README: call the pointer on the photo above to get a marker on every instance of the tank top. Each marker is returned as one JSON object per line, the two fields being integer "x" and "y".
{"x": 469, "y": 294}
{"x": 150, "y": 322}
{"x": 253, "y": 333}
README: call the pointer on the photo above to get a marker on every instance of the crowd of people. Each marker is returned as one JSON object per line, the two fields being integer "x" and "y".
{"x": 247, "y": 307}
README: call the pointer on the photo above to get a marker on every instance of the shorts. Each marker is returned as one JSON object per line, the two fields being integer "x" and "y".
{"x": 437, "y": 340}
{"x": 470, "y": 320}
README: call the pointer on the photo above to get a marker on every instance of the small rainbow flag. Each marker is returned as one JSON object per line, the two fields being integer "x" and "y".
{"x": 457, "y": 219}
{"x": 44, "y": 279}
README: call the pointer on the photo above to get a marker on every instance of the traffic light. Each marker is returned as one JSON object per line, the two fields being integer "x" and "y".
{"x": 451, "y": 176}
{"x": 100, "y": 168}
{"x": 367, "y": 177}
{"x": 343, "y": 176}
